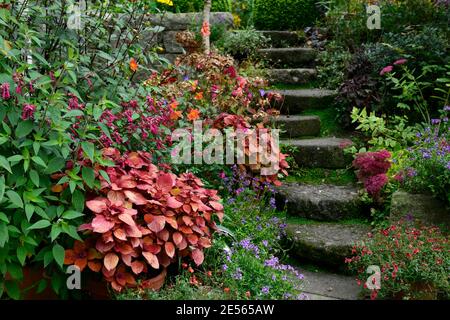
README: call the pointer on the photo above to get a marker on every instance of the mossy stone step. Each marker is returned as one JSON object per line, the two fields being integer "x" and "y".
{"x": 319, "y": 202}
{"x": 291, "y": 76}
{"x": 325, "y": 244}
{"x": 325, "y": 153}
{"x": 297, "y": 100}
{"x": 289, "y": 57}
{"x": 281, "y": 39}
{"x": 297, "y": 126}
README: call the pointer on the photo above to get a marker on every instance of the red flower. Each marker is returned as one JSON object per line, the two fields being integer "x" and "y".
{"x": 28, "y": 112}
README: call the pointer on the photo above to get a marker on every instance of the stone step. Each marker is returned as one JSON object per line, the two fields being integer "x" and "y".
{"x": 297, "y": 100}
{"x": 325, "y": 153}
{"x": 289, "y": 57}
{"x": 282, "y": 39}
{"x": 319, "y": 202}
{"x": 322, "y": 285}
{"x": 291, "y": 76}
{"x": 297, "y": 126}
{"x": 325, "y": 244}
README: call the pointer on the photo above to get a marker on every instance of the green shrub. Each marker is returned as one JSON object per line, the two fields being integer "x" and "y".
{"x": 333, "y": 62}
{"x": 284, "y": 14}
{"x": 243, "y": 43}
{"x": 197, "y": 5}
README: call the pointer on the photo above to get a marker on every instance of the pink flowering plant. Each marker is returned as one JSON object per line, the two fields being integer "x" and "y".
{"x": 413, "y": 262}
{"x": 372, "y": 168}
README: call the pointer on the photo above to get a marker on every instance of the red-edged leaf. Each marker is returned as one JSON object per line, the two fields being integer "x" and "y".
{"x": 151, "y": 259}
{"x": 192, "y": 238}
{"x": 101, "y": 225}
{"x": 187, "y": 220}
{"x": 216, "y": 205}
{"x": 172, "y": 221}
{"x": 96, "y": 206}
{"x": 127, "y": 219}
{"x": 177, "y": 238}
{"x": 157, "y": 224}
{"x": 163, "y": 235}
{"x": 170, "y": 249}
{"x": 173, "y": 203}
{"x": 117, "y": 198}
{"x": 110, "y": 261}
{"x": 137, "y": 267}
{"x": 135, "y": 197}
{"x": 165, "y": 181}
{"x": 120, "y": 234}
{"x": 198, "y": 256}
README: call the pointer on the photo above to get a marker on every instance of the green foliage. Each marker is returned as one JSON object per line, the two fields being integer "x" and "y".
{"x": 243, "y": 13}
{"x": 284, "y": 14}
{"x": 392, "y": 133}
{"x": 197, "y": 5}
{"x": 243, "y": 44}
{"x": 333, "y": 62}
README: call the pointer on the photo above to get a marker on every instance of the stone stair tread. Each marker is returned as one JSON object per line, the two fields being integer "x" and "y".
{"x": 319, "y": 202}
{"x": 282, "y": 38}
{"x": 326, "y": 243}
{"x": 297, "y": 100}
{"x": 307, "y": 92}
{"x": 289, "y": 57}
{"x": 324, "y": 285}
{"x": 320, "y": 152}
{"x": 298, "y": 125}
{"x": 291, "y": 75}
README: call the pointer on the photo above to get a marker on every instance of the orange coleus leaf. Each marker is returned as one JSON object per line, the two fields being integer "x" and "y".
{"x": 170, "y": 249}
{"x": 120, "y": 234}
{"x": 117, "y": 198}
{"x": 216, "y": 205}
{"x": 135, "y": 197}
{"x": 110, "y": 261}
{"x": 198, "y": 256}
{"x": 177, "y": 238}
{"x": 165, "y": 181}
{"x": 97, "y": 206}
{"x": 172, "y": 221}
{"x": 133, "y": 65}
{"x": 185, "y": 229}
{"x": 127, "y": 219}
{"x": 173, "y": 203}
{"x": 151, "y": 259}
{"x": 157, "y": 223}
{"x": 137, "y": 267}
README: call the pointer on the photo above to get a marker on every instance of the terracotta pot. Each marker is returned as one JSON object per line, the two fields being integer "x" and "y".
{"x": 155, "y": 283}
{"x": 97, "y": 288}
{"x": 28, "y": 286}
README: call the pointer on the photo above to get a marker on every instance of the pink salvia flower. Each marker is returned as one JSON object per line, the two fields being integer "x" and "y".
{"x": 386, "y": 70}
{"x": 28, "y": 112}
{"x": 400, "y": 62}
{"x": 5, "y": 91}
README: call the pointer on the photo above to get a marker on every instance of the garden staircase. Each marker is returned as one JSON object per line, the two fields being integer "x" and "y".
{"x": 320, "y": 231}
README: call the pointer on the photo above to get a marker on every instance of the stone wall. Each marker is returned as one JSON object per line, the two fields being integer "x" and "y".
{"x": 172, "y": 23}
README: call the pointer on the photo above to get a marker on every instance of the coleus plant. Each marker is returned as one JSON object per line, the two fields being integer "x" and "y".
{"x": 273, "y": 157}
{"x": 143, "y": 219}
